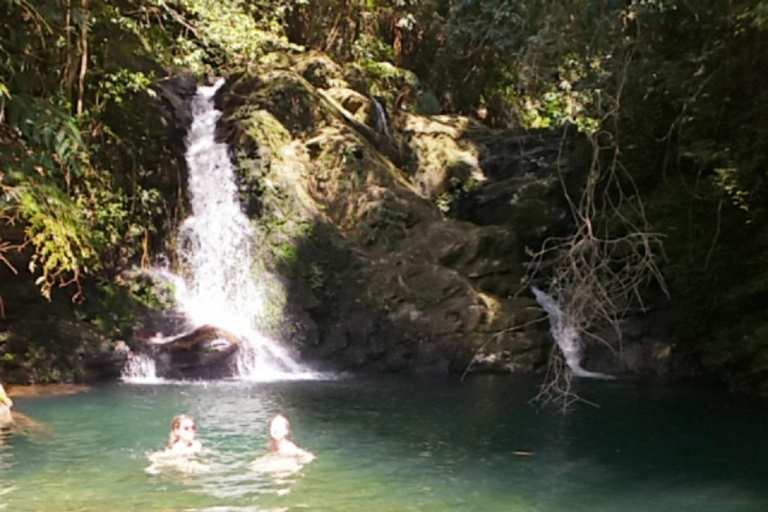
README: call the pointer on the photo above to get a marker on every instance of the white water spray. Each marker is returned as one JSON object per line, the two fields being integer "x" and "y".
{"x": 216, "y": 247}
{"x": 140, "y": 369}
{"x": 565, "y": 335}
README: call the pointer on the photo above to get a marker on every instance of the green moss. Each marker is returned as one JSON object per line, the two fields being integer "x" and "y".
{"x": 265, "y": 129}
{"x": 288, "y": 252}
{"x": 388, "y": 80}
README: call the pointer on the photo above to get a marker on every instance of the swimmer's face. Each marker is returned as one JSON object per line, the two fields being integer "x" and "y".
{"x": 185, "y": 430}
{"x": 278, "y": 429}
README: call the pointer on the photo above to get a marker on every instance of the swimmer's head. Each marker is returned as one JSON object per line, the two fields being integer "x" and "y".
{"x": 183, "y": 428}
{"x": 279, "y": 427}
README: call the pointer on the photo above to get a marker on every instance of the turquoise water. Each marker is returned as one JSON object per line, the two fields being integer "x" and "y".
{"x": 395, "y": 444}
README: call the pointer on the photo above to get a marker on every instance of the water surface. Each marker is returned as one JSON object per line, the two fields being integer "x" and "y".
{"x": 395, "y": 444}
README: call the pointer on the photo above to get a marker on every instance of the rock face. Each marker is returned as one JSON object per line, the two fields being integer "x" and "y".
{"x": 368, "y": 228}
{"x": 174, "y": 105}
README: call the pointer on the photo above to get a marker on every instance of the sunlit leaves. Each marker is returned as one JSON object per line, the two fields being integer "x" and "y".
{"x": 69, "y": 212}
{"x": 115, "y": 86}
{"x": 232, "y": 28}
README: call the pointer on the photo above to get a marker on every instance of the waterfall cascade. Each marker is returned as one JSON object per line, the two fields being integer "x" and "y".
{"x": 216, "y": 246}
{"x": 140, "y": 369}
{"x": 382, "y": 124}
{"x": 565, "y": 335}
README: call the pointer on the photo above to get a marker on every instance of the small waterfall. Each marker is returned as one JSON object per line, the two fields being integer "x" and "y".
{"x": 140, "y": 369}
{"x": 382, "y": 125}
{"x": 216, "y": 246}
{"x": 565, "y": 335}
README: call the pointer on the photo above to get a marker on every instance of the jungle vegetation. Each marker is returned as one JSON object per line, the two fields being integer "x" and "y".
{"x": 673, "y": 94}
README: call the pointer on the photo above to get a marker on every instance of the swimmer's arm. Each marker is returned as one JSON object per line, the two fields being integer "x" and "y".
{"x": 290, "y": 448}
{"x": 307, "y": 456}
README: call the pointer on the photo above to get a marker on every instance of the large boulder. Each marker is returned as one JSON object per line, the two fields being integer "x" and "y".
{"x": 203, "y": 353}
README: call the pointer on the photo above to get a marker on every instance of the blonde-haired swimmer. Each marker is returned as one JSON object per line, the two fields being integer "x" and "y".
{"x": 182, "y": 445}
{"x": 183, "y": 437}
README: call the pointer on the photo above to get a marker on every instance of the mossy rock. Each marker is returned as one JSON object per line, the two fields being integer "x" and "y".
{"x": 319, "y": 70}
{"x": 284, "y": 94}
{"x": 389, "y": 80}
{"x": 264, "y": 129}
{"x": 358, "y": 105}
{"x": 354, "y": 184}
{"x": 443, "y": 161}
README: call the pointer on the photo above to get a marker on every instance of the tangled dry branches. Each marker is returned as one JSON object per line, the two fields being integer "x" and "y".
{"x": 597, "y": 273}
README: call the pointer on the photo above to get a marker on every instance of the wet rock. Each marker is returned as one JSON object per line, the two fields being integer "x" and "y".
{"x": 174, "y": 105}
{"x": 319, "y": 70}
{"x": 104, "y": 364}
{"x": 204, "y": 353}
{"x": 639, "y": 352}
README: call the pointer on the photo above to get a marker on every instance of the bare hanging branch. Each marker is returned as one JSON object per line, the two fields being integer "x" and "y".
{"x": 493, "y": 338}
{"x": 597, "y": 273}
{"x": 556, "y": 387}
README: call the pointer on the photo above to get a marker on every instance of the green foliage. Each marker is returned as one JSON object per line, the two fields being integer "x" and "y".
{"x": 115, "y": 86}
{"x": 152, "y": 293}
{"x": 388, "y": 79}
{"x": 42, "y": 179}
{"x": 52, "y": 131}
{"x": 235, "y": 33}
{"x": 56, "y": 229}
{"x": 676, "y": 88}
{"x": 368, "y": 48}
{"x": 63, "y": 168}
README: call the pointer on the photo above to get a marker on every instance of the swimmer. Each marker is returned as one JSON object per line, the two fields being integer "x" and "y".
{"x": 284, "y": 457}
{"x": 182, "y": 443}
{"x": 6, "y": 416}
{"x": 183, "y": 437}
{"x": 279, "y": 428}
{"x": 16, "y": 421}
{"x": 4, "y": 398}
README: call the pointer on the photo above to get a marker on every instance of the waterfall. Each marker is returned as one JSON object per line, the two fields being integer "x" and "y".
{"x": 382, "y": 125}
{"x": 140, "y": 369}
{"x": 565, "y": 335}
{"x": 216, "y": 247}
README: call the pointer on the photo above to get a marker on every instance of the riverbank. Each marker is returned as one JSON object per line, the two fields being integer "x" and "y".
{"x": 45, "y": 390}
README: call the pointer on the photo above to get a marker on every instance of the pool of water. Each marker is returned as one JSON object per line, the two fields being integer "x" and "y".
{"x": 395, "y": 444}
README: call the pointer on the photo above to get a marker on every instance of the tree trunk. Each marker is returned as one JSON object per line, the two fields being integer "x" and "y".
{"x": 83, "y": 57}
